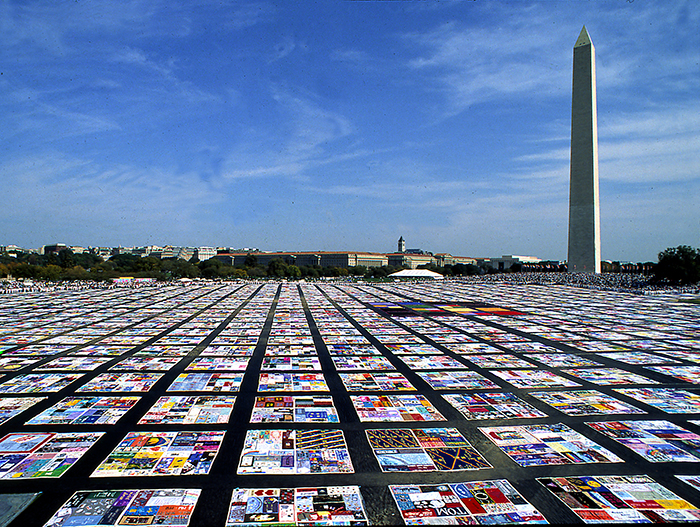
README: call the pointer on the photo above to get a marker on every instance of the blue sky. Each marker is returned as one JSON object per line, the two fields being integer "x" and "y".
{"x": 342, "y": 125}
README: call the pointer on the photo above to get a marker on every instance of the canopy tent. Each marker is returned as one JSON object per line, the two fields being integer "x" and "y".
{"x": 416, "y": 273}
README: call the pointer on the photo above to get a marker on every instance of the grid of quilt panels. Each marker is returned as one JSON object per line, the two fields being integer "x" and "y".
{"x": 344, "y": 403}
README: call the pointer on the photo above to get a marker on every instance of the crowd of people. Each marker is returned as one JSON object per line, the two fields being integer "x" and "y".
{"x": 635, "y": 283}
{"x": 42, "y": 286}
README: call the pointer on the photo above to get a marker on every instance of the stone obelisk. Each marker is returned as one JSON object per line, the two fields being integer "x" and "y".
{"x": 584, "y": 203}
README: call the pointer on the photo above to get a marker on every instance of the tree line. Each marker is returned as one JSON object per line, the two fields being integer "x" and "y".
{"x": 66, "y": 265}
{"x": 679, "y": 265}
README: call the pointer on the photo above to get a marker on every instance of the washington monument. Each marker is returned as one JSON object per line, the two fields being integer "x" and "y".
{"x": 584, "y": 203}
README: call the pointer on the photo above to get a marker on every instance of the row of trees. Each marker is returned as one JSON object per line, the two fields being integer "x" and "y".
{"x": 679, "y": 265}
{"x": 68, "y": 266}
{"x": 65, "y": 265}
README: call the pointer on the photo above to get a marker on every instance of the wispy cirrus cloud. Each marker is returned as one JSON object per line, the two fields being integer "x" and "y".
{"x": 160, "y": 80}
{"x": 39, "y": 113}
{"x": 137, "y": 57}
{"x": 307, "y": 133}
{"x": 59, "y": 193}
{"x": 240, "y": 15}
{"x": 51, "y": 25}
{"x": 528, "y": 52}
{"x": 474, "y": 65}
{"x": 353, "y": 56}
{"x": 659, "y": 144}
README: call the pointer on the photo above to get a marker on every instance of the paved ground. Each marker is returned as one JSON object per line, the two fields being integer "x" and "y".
{"x": 513, "y": 372}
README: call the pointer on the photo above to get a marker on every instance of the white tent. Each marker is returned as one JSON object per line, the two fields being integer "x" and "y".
{"x": 416, "y": 273}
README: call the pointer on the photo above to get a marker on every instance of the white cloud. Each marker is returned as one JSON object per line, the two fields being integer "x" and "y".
{"x": 526, "y": 51}
{"x": 303, "y": 139}
{"x": 283, "y": 49}
{"x": 556, "y": 154}
{"x": 670, "y": 119}
{"x": 654, "y": 145}
{"x": 659, "y": 144}
{"x": 312, "y": 126}
{"x": 482, "y": 64}
{"x": 53, "y": 196}
{"x": 240, "y": 15}
{"x": 50, "y": 25}
{"x": 37, "y": 112}
{"x": 138, "y": 57}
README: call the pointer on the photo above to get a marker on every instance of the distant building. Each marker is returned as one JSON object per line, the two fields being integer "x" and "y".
{"x": 167, "y": 252}
{"x": 102, "y": 252}
{"x": 443, "y": 259}
{"x": 402, "y": 245}
{"x": 319, "y": 258}
{"x": 507, "y": 261}
{"x": 370, "y": 259}
{"x": 230, "y": 250}
{"x": 410, "y": 260}
{"x": 54, "y": 248}
{"x": 204, "y": 253}
{"x": 184, "y": 253}
{"x": 12, "y": 250}
{"x": 147, "y": 250}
